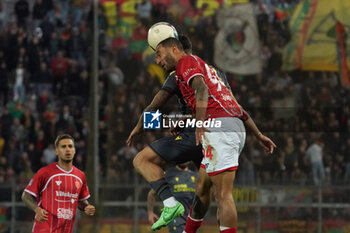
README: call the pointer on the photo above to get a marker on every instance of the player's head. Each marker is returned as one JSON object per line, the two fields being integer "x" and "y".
{"x": 168, "y": 53}
{"x": 186, "y": 44}
{"x": 65, "y": 149}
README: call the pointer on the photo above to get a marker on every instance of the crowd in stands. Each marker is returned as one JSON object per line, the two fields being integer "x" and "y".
{"x": 45, "y": 51}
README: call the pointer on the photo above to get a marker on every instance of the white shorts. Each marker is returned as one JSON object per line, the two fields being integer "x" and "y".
{"x": 222, "y": 146}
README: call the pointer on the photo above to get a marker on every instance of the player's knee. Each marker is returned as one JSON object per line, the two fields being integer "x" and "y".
{"x": 203, "y": 192}
{"x": 223, "y": 196}
{"x": 137, "y": 161}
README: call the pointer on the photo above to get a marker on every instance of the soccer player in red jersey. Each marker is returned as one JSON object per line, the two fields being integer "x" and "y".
{"x": 55, "y": 191}
{"x": 211, "y": 100}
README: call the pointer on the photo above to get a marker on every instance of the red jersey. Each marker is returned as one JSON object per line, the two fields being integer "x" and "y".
{"x": 58, "y": 192}
{"x": 220, "y": 100}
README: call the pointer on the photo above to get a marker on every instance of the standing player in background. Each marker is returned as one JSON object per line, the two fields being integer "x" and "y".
{"x": 55, "y": 191}
{"x": 210, "y": 99}
{"x": 182, "y": 181}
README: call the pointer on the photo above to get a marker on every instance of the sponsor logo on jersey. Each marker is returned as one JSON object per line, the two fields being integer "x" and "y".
{"x": 77, "y": 184}
{"x": 58, "y": 182}
{"x": 186, "y": 72}
{"x": 151, "y": 120}
{"x": 65, "y": 213}
{"x": 68, "y": 194}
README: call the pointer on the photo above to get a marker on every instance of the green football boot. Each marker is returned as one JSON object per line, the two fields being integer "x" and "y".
{"x": 168, "y": 215}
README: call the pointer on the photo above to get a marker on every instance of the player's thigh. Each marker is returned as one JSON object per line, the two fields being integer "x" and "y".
{"x": 148, "y": 155}
{"x": 223, "y": 184}
{"x": 178, "y": 149}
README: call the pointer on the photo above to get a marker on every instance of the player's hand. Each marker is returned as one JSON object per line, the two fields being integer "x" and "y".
{"x": 200, "y": 134}
{"x": 266, "y": 143}
{"x": 152, "y": 217}
{"x": 89, "y": 210}
{"x": 41, "y": 215}
{"x": 135, "y": 132}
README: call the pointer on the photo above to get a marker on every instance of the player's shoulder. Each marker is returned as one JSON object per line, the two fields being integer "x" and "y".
{"x": 188, "y": 58}
{"x": 76, "y": 171}
{"x": 48, "y": 168}
{"x": 187, "y": 64}
{"x": 171, "y": 74}
{"x": 47, "y": 171}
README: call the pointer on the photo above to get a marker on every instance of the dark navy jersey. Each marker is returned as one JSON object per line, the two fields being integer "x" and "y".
{"x": 183, "y": 185}
{"x": 171, "y": 87}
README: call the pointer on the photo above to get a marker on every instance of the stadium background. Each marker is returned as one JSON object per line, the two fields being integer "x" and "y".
{"x": 284, "y": 70}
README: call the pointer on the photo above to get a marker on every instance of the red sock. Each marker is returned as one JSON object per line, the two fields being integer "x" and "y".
{"x": 192, "y": 224}
{"x": 230, "y": 230}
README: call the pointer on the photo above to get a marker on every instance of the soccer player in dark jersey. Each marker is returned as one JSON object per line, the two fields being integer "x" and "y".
{"x": 57, "y": 190}
{"x": 182, "y": 182}
{"x": 210, "y": 100}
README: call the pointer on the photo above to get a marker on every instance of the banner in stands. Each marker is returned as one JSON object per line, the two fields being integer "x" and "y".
{"x": 121, "y": 15}
{"x": 316, "y": 43}
{"x": 237, "y": 48}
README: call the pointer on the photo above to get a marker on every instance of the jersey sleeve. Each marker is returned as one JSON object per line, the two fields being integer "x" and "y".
{"x": 36, "y": 184}
{"x": 84, "y": 192}
{"x": 170, "y": 85}
{"x": 188, "y": 68}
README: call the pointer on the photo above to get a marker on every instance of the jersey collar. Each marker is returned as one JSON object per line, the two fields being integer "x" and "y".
{"x": 58, "y": 166}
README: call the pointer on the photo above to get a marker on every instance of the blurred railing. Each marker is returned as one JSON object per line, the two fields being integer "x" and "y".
{"x": 263, "y": 208}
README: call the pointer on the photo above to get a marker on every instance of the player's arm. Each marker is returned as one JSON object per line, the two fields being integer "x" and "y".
{"x": 152, "y": 217}
{"x": 86, "y": 207}
{"x": 158, "y": 102}
{"x": 29, "y": 200}
{"x": 201, "y": 94}
{"x": 266, "y": 143}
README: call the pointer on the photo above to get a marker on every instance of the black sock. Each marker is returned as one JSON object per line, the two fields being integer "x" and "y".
{"x": 162, "y": 188}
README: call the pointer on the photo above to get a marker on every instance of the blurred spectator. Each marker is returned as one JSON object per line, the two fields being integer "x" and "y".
{"x": 144, "y": 9}
{"x": 49, "y": 154}
{"x": 43, "y": 79}
{"x": 64, "y": 9}
{"x": 2, "y": 143}
{"x": 39, "y": 12}
{"x": 17, "y": 131}
{"x": 159, "y": 11}
{"x": 22, "y": 12}
{"x": 75, "y": 45}
{"x": 19, "y": 86}
{"x": 315, "y": 156}
{"x": 346, "y": 153}
{"x": 4, "y": 83}
{"x": 2, "y": 15}
{"x": 35, "y": 157}
{"x": 246, "y": 171}
{"x": 59, "y": 66}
